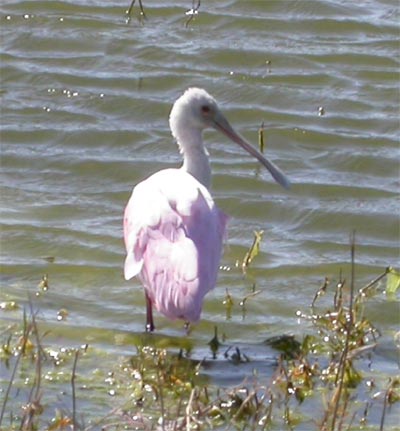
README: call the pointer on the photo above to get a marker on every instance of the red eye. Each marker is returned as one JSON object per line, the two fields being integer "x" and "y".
{"x": 205, "y": 109}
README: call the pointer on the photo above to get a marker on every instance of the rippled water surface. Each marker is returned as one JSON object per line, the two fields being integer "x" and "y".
{"x": 85, "y": 101}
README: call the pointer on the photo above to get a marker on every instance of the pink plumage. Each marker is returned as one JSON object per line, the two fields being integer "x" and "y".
{"x": 173, "y": 230}
{"x": 173, "y": 234}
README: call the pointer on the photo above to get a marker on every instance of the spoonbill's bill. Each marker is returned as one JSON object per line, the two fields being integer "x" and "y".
{"x": 173, "y": 230}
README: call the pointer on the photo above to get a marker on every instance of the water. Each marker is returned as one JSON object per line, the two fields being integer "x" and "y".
{"x": 85, "y": 100}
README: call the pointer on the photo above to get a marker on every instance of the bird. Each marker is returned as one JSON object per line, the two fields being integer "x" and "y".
{"x": 173, "y": 230}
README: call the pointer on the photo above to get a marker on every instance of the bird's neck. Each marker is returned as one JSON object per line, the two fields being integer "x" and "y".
{"x": 195, "y": 157}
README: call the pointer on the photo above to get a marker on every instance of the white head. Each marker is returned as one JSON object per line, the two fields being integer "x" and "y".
{"x": 195, "y": 111}
{"x": 192, "y": 110}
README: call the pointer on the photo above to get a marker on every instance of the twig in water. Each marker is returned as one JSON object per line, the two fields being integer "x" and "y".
{"x": 228, "y": 302}
{"x": 388, "y": 393}
{"x": 253, "y": 250}
{"x": 363, "y": 290}
{"x": 189, "y": 409}
{"x": 349, "y": 327}
{"x": 321, "y": 291}
{"x": 244, "y": 403}
{"x": 192, "y": 12}
{"x": 161, "y": 394}
{"x": 338, "y": 299}
{"x": 33, "y": 404}
{"x": 214, "y": 343}
{"x": 73, "y": 376}
{"x": 242, "y": 303}
{"x": 261, "y": 141}
{"x": 27, "y": 330}
{"x": 39, "y": 351}
{"x": 129, "y": 11}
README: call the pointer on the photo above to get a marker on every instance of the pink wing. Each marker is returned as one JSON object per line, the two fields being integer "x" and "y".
{"x": 173, "y": 236}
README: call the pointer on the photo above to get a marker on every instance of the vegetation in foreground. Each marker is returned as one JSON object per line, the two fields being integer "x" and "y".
{"x": 321, "y": 382}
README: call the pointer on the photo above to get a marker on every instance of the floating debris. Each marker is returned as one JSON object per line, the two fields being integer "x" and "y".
{"x": 62, "y": 314}
{"x": 49, "y": 259}
{"x": 225, "y": 268}
{"x": 8, "y": 305}
{"x": 44, "y": 283}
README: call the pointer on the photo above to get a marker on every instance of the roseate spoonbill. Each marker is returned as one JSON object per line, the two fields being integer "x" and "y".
{"x": 173, "y": 231}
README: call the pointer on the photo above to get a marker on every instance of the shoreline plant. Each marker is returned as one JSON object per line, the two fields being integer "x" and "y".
{"x": 324, "y": 382}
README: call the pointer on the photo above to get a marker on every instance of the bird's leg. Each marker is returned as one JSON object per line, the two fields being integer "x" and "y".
{"x": 149, "y": 314}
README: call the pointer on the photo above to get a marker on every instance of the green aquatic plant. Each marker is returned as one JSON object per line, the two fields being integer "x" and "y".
{"x": 253, "y": 251}
{"x": 162, "y": 387}
{"x": 393, "y": 281}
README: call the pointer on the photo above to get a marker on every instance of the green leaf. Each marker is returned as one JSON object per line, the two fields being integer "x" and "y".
{"x": 253, "y": 250}
{"x": 392, "y": 281}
